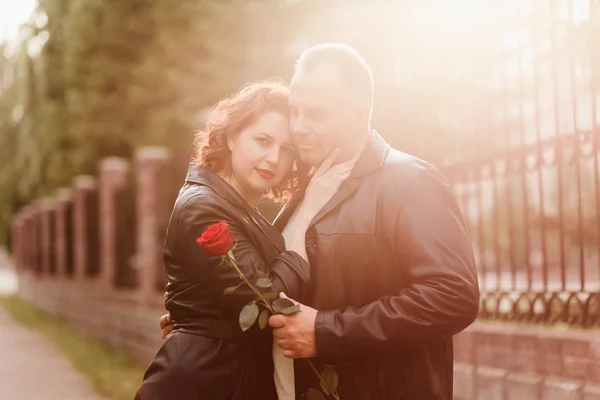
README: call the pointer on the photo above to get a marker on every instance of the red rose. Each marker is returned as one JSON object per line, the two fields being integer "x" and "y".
{"x": 216, "y": 240}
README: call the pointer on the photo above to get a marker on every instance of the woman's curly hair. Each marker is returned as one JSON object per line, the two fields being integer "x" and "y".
{"x": 231, "y": 115}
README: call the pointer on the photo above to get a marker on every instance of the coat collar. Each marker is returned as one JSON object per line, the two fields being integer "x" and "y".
{"x": 372, "y": 157}
{"x": 200, "y": 175}
{"x": 370, "y": 160}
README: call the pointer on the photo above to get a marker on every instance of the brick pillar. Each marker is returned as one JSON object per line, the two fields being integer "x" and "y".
{"x": 25, "y": 245}
{"x": 63, "y": 229}
{"x": 36, "y": 242}
{"x": 113, "y": 174}
{"x": 85, "y": 227}
{"x": 33, "y": 240}
{"x": 153, "y": 212}
{"x": 16, "y": 225}
{"x": 126, "y": 237}
{"x": 47, "y": 237}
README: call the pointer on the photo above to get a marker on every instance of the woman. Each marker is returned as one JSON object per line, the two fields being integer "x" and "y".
{"x": 247, "y": 153}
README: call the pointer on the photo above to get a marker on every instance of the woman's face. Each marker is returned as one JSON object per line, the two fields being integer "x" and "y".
{"x": 262, "y": 154}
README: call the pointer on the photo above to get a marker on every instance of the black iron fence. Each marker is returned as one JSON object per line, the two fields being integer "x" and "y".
{"x": 524, "y": 161}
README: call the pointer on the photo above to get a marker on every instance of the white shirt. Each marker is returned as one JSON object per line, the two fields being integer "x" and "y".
{"x": 284, "y": 367}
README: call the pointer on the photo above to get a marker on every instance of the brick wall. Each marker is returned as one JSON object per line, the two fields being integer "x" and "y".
{"x": 115, "y": 318}
{"x": 495, "y": 361}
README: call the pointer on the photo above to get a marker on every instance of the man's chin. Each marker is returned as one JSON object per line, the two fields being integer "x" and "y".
{"x": 311, "y": 157}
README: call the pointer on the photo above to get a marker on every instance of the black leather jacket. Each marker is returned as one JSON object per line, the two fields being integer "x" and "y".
{"x": 196, "y": 281}
{"x": 393, "y": 278}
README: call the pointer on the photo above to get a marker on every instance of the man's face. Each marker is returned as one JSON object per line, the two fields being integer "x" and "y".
{"x": 322, "y": 117}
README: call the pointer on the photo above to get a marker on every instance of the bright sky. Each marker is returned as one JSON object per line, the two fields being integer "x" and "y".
{"x": 12, "y": 14}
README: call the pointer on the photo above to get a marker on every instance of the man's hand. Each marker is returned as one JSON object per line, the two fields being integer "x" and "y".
{"x": 295, "y": 333}
{"x": 166, "y": 326}
{"x": 166, "y": 323}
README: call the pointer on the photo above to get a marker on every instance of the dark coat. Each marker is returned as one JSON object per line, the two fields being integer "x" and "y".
{"x": 393, "y": 278}
{"x": 208, "y": 356}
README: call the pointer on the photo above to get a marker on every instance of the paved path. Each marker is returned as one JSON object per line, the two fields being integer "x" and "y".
{"x": 31, "y": 367}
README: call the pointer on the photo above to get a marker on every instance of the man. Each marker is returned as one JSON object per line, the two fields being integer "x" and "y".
{"x": 394, "y": 275}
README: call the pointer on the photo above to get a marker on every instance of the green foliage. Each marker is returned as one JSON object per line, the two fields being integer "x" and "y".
{"x": 314, "y": 394}
{"x": 97, "y": 78}
{"x": 329, "y": 380}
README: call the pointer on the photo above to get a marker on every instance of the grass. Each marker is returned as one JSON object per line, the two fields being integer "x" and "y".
{"x": 112, "y": 371}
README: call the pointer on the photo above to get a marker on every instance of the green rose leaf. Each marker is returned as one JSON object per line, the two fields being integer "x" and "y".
{"x": 330, "y": 380}
{"x": 291, "y": 310}
{"x": 263, "y": 319}
{"x": 281, "y": 304}
{"x": 259, "y": 274}
{"x": 264, "y": 283}
{"x": 230, "y": 290}
{"x": 314, "y": 394}
{"x": 248, "y": 316}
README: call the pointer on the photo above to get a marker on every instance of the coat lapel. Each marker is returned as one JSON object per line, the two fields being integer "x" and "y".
{"x": 370, "y": 160}
{"x": 345, "y": 191}
{"x": 269, "y": 231}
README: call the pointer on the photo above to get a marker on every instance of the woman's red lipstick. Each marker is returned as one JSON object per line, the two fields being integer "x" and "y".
{"x": 265, "y": 173}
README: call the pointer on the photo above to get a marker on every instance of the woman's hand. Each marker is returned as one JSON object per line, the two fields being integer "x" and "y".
{"x": 325, "y": 183}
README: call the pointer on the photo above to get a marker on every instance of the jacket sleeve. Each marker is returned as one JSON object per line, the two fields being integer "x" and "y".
{"x": 289, "y": 273}
{"x": 429, "y": 241}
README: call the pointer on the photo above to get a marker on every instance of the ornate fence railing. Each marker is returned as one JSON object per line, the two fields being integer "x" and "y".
{"x": 527, "y": 172}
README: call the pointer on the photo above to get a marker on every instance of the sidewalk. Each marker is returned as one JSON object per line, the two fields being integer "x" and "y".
{"x": 31, "y": 367}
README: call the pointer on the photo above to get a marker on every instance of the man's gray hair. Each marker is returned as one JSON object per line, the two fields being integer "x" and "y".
{"x": 346, "y": 58}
